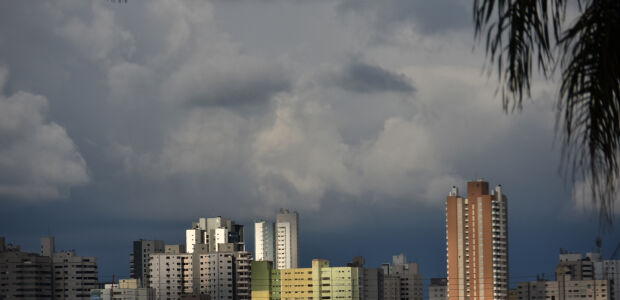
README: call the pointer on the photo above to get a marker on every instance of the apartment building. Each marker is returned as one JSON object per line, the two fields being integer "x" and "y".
{"x": 477, "y": 243}
{"x": 48, "y": 275}
{"x": 287, "y": 239}
{"x": 319, "y": 282}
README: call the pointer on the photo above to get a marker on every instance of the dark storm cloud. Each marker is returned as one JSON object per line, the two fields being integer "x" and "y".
{"x": 242, "y": 88}
{"x": 361, "y": 77}
{"x": 428, "y": 16}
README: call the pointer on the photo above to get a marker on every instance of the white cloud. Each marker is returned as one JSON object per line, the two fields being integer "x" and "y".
{"x": 38, "y": 160}
{"x": 98, "y": 37}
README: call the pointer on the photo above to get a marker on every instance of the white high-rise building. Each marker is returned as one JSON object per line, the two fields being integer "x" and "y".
{"x": 264, "y": 241}
{"x": 221, "y": 237}
{"x": 192, "y": 237}
{"x": 287, "y": 241}
{"x": 212, "y": 232}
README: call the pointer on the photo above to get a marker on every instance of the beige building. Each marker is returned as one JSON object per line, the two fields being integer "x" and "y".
{"x": 477, "y": 243}
{"x": 126, "y": 289}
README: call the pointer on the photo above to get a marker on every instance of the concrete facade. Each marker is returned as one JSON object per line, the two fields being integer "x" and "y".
{"x": 576, "y": 276}
{"x": 409, "y": 279}
{"x": 399, "y": 280}
{"x": 55, "y": 275}
{"x": 74, "y": 276}
{"x": 170, "y": 275}
{"x": 477, "y": 243}
{"x": 220, "y": 275}
{"x": 264, "y": 240}
{"x": 139, "y": 259}
{"x": 564, "y": 289}
{"x": 123, "y": 291}
{"x": 287, "y": 239}
{"x": 438, "y": 289}
{"x": 213, "y": 232}
{"x": 24, "y": 275}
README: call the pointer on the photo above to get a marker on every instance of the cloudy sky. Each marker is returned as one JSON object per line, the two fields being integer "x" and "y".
{"x": 128, "y": 121}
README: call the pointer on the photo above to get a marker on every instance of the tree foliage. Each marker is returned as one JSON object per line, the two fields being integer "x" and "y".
{"x": 519, "y": 33}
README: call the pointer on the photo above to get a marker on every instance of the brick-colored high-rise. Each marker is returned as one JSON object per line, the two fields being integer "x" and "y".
{"x": 477, "y": 243}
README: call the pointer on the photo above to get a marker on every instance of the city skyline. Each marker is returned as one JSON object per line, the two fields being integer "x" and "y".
{"x": 130, "y": 121}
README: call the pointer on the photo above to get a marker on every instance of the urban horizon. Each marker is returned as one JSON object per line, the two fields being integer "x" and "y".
{"x": 121, "y": 272}
{"x": 128, "y": 120}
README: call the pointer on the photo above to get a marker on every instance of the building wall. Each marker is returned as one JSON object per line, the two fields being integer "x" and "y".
{"x": 192, "y": 236}
{"x": 122, "y": 293}
{"x": 222, "y": 275}
{"x": 170, "y": 275}
{"x": 319, "y": 282}
{"x": 372, "y": 284}
{"x": 564, "y": 289}
{"x": 25, "y": 275}
{"x": 287, "y": 240}
{"x": 437, "y": 292}
{"x": 57, "y": 275}
{"x": 47, "y": 246}
{"x": 74, "y": 276}
{"x": 243, "y": 275}
{"x": 438, "y": 289}
{"x": 139, "y": 264}
{"x": 264, "y": 240}
{"x": 261, "y": 280}
{"x": 411, "y": 286}
{"x": 391, "y": 287}
{"x": 212, "y": 232}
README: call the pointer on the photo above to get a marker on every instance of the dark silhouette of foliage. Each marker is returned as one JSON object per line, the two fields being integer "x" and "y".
{"x": 587, "y": 51}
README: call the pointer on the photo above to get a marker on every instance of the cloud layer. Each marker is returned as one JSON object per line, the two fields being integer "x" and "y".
{"x": 186, "y": 103}
{"x": 38, "y": 160}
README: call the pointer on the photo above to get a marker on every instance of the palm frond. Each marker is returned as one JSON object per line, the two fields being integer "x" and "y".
{"x": 516, "y": 34}
{"x": 519, "y": 32}
{"x": 589, "y": 99}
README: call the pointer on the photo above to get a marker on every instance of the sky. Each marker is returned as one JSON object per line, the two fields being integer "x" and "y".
{"x": 127, "y": 121}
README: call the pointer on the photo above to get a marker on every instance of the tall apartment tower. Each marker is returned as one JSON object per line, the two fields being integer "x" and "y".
{"x": 477, "y": 243}
{"x": 264, "y": 241}
{"x": 287, "y": 241}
